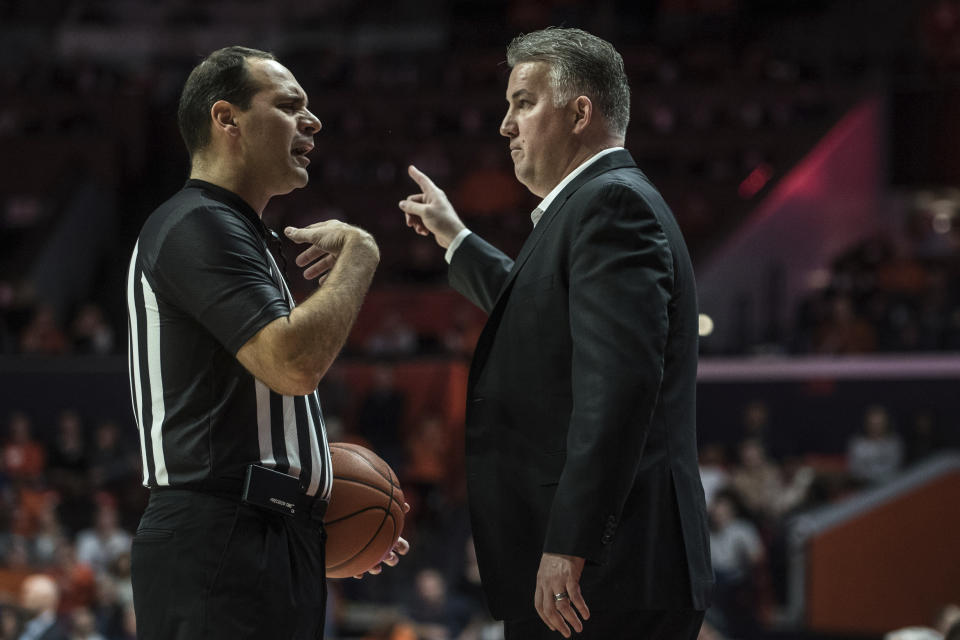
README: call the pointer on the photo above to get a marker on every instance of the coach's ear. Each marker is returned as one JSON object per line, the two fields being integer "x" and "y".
{"x": 223, "y": 115}
{"x": 582, "y": 110}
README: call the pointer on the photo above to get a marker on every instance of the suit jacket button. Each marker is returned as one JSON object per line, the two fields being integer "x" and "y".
{"x": 606, "y": 539}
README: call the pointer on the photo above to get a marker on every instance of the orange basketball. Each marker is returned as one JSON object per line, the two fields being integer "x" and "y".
{"x": 365, "y": 514}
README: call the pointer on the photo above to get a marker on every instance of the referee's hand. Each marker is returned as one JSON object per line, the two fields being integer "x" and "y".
{"x": 328, "y": 241}
{"x": 400, "y": 549}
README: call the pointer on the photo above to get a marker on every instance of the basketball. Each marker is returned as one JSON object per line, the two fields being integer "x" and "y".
{"x": 365, "y": 514}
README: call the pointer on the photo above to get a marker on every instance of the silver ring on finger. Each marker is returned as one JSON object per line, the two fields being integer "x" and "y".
{"x": 559, "y": 597}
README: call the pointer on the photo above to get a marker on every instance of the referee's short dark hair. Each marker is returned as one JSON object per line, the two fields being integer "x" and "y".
{"x": 222, "y": 75}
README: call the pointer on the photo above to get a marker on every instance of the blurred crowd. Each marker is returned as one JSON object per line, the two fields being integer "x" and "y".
{"x": 752, "y": 494}
{"x": 71, "y": 496}
{"x": 893, "y": 291}
{"x": 723, "y": 90}
{"x": 717, "y": 97}
{"x": 67, "y": 506}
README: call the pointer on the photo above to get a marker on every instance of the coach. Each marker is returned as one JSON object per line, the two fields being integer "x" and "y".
{"x": 581, "y": 439}
{"x": 224, "y": 369}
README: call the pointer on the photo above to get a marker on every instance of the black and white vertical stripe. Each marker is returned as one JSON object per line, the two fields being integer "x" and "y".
{"x": 290, "y": 429}
{"x": 293, "y": 437}
{"x": 146, "y": 374}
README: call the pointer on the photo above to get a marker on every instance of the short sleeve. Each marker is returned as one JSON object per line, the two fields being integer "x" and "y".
{"x": 212, "y": 267}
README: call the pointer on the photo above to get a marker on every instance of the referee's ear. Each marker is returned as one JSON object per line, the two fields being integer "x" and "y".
{"x": 224, "y": 119}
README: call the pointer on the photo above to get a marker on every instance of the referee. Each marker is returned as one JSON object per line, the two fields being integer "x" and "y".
{"x": 224, "y": 369}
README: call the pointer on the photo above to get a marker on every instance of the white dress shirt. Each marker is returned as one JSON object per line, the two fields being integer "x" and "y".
{"x": 536, "y": 214}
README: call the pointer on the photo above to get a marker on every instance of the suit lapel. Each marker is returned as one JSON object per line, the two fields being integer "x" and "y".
{"x": 615, "y": 160}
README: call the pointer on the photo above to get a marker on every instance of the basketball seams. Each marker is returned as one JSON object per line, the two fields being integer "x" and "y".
{"x": 355, "y": 513}
{"x": 364, "y": 483}
{"x": 394, "y": 486}
{"x": 345, "y": 446}
{"x": 372, "y": 539}
{"x": 363, "y": 486}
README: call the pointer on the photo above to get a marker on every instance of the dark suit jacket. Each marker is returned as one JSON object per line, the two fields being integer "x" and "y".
{"x": 52, "y": 632}
{"x": 580, "y": 428}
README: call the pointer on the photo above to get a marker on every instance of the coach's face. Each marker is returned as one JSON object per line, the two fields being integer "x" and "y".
{"x": 541, "y": 134}
{"x": 277, "y": 130}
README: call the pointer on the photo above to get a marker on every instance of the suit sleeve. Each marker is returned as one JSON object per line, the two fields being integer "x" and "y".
{"x": 212, "y": 268}
{"x": 621, "y": 277}
{"x": 478, "y": 271}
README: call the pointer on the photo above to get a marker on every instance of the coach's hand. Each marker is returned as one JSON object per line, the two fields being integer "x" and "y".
{"x": 429, "y": 211}
{"x": 559, "y": 575}
{"x": 328, "y": 241}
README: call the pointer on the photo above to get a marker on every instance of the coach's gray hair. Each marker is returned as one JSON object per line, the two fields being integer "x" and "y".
{"x": 580, "y": 64}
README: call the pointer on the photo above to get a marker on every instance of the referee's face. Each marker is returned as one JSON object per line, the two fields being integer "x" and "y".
{"x": 277, "y": 131}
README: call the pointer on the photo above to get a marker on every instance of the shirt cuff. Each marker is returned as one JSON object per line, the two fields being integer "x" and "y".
{"x": 455, "y": 243}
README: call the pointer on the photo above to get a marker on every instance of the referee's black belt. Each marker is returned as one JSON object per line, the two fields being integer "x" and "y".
{"x": 286, "y": 500}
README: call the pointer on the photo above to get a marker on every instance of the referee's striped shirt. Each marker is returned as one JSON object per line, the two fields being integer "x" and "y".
{"x": 201, "y": 283}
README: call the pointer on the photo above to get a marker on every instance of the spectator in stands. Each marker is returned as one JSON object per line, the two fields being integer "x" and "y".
{"x": 67, "y": 455}
{"x": 84, "y": 625}
{"x": 119, "y": 576}
{"x": 68, "y": 466}
{"x": 735, "y": 550}
{"x": 113, "y": 464}
{"x": 924, "y": 437}
{"x": 17, "y": 556}
{"x": 39, "y": 598}
{"x": 49, "y": 534}
{"x": 469, "y": 589}
{"x": 90, "y": 332}
{"x": 755, "y": 423}
{"x": 9, "y": 623}
{"x": 76, "y": 581}
{"x": 392, "y": 630}
{"x": 713, "y": 472}
{"x": 940, "y": 33}
{"x": 32, "y": 502}
{"x": 437, "y": 613}
{"x": 948, "y": 618}
{"x": 875, "y": 455}
{"x": 844, "y": 331}
{"x": 43, "y": 336}
{"x": 757, "y": 480}
{"x": 24, "y": 458}
{"x": 109, "y": 607}
{"x": 100, "y": 546}
{"x": 913, "y": 633}
{"x": 760, "y": 485}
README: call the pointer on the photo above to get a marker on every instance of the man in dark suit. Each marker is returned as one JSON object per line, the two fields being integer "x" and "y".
{"x": 39, "y": 598}
{"x": 580, "y": 430}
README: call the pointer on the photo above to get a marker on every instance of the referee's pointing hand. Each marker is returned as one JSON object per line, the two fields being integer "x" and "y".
{"x": 328, "y": 241}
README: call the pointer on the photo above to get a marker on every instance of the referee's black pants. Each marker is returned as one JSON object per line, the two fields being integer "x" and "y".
{"x": 210, "y": 567}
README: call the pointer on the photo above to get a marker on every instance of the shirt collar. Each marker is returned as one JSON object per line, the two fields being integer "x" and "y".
{"x": 233, "y": 201}
{"x": 545, "y": 203}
